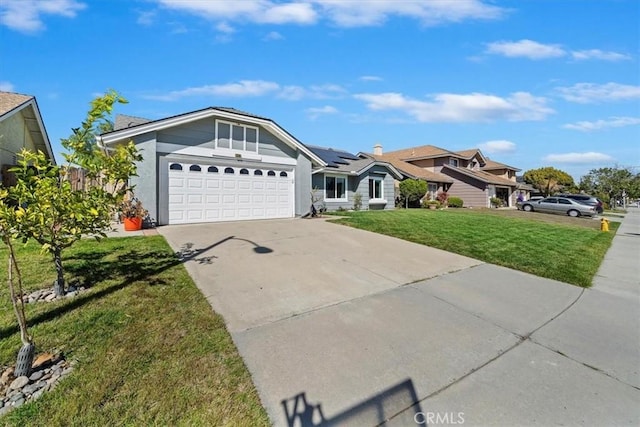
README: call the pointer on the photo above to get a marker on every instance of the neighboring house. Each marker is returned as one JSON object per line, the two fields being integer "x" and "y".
{"x": 466, "y": 174}
{"x": 345, "y": 175}
{"x": 21, "y": 126}
{"x": 217, "y": 164}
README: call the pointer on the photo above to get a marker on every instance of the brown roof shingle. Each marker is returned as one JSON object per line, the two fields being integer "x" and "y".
{"x": 10, "y": 101}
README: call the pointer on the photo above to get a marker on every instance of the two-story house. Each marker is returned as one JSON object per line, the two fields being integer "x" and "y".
{"x": 466, "y": 174}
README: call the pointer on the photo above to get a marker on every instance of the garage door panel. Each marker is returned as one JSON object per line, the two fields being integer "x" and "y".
{"x": 198, "y": 195}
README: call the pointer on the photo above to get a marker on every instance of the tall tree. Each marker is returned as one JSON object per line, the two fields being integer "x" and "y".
{"x": 53, "y": 213}
{"x": 611, "y": 183}
{"x": 548, "y": 180}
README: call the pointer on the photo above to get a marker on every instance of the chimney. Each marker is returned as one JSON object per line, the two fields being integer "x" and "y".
{"x": 377, "y": 150}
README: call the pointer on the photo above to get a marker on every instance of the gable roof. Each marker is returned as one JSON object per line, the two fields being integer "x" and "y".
{"x": 340, "y": 161}
{"x": 481, "y": 176}
{"x": 491, "y": 165}
{"x": 418, "y": 153}
{"x": 13, "y": 103}
{"x": 138, "y": 126}
{"x": 413, "y": 171}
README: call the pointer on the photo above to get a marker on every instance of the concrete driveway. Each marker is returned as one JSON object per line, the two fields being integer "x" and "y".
{"x": 347, "y": 327}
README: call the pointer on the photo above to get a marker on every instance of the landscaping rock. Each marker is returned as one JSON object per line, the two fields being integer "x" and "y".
{"x": 36, "y": 376}
{"x": 49, "y": 368}
{"x": 19, "y": 382}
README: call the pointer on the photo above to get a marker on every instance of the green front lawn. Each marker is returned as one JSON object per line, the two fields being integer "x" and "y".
{"x": 544, "y": 245}
{"x": 150, "y": 350}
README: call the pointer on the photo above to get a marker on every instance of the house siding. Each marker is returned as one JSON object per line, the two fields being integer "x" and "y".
{"x": 303, "y": 185}
{"x": 15, "y": 137}
{"x": 146, "y": 184}
{"x": 202, "y": 133}
{"x": 356, "y": 185}
{"x": 472, "y": 192}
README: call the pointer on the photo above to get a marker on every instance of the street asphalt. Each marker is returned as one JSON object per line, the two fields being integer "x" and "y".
{"x": 346, "y": 327}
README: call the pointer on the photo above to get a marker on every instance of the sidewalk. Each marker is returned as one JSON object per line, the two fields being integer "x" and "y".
{"x": 619, "y": 273}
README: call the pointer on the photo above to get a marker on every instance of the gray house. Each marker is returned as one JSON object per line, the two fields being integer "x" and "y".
{"x": 217, "y": 164}
{"x": 346, "y": 175}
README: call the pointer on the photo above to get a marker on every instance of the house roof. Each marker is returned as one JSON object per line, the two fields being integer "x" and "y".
{"x": 421, "y": 152}
{"x": 491, "y": 165}
{"x": 123, "y": 121}
{"x": 12, "y": 103}
{"x": 340, "y": 161}
{"x": 481, "y": 176}
{"x": 413, "y": 171}
{"x": 139, "y": 126}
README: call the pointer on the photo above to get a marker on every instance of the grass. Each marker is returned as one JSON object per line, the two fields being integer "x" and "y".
{"x": 150, "y": 350}
{"x": 565, "y": 249}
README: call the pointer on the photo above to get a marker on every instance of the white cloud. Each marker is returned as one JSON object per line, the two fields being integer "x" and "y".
{"x": 498, "y": 146}
{"x": 7, "y": 87}
{"x": 273, "y": 35}
{"x": 582, "y": 55}
{"x": 26, "y": 15}
{"x": 343, "y": 13}
{"x": 146, "y": 18}
{"x": 612, "y": 122}
{"x": 473, "y": 107}
{"x": 579, "y": 158}
{"x": 316, "y": 112}
{"x": 243, "y": 88}
{"x": 585, "y": 93}
{"x": 257, "y": 11}
{"x": 370, "y": 78}
{"x": 525, "y": 49}
{"x": 225, "y": 28}
{"x": 325, "y": 91}
{"x": 359, "y": 13}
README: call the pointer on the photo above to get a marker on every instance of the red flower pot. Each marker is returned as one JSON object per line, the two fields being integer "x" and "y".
{"x": 132, "y": 224}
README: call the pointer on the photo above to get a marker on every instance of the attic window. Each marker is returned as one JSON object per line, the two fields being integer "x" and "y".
{"x": 236, "y": 137}
{"x": 453, "y": 162}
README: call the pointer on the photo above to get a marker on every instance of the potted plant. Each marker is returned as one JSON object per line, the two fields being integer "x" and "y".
{"x": 132, "y": 213}
{"x": 431, "y": 204}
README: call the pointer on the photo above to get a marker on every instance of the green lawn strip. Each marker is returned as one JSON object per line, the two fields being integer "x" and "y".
{"x": 150, "y": 350}
{"x": 566, "y": 253}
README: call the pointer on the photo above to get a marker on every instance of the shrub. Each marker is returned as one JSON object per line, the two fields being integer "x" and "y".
{"x": 455, "y": 202}
{"x": 357, "y": 201}
{"x": 495, "y": 201}
{"x": 443, "y": 198}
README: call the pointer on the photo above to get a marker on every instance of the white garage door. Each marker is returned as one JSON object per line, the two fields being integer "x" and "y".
{"x": 211, "y": 193}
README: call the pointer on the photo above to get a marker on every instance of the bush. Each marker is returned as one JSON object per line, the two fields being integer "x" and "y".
{"x": 496, "y": 202}
{"x": 443, "y": 198}
{"x": 455, "y": 202}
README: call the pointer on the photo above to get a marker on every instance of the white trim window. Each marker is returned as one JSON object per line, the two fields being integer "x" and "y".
{"x": 236, "y": 137}
{"x": 335, "y": 188}
{"x": 453, "y": 162}
{"x": 376, "y": 188}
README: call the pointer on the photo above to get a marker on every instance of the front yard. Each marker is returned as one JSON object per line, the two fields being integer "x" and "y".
{"x": 565, "y": 249}
{"x": 150, "y": 350}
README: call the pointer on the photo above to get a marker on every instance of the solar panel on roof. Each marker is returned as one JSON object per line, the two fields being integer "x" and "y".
{"x": 332, "y": 157}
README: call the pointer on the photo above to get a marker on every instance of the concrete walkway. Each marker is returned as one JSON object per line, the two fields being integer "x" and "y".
{"x": 347, "y": 327}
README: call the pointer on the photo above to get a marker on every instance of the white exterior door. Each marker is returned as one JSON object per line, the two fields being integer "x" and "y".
{"x": 211, "y": 193}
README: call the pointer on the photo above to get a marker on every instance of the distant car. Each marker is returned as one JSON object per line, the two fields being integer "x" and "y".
{"x": 557, "y": 205}
{"x": 586, "y": 199}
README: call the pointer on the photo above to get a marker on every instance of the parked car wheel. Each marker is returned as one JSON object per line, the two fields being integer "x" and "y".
{"x": 527, "y": 208}
{"x": 573, "y": 213}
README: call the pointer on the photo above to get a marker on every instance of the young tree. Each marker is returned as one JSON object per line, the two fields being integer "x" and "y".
{"x": 54, "y": 214}
{"x": 412, "y": 190}
{"x": 548, "y": 180}
{"x": 27, "y": 351}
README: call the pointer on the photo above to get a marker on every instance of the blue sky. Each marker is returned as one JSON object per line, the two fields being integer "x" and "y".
{"x": 532, "y": 83}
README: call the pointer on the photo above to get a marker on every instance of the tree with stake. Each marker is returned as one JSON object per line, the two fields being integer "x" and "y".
{"x": 412, "y": 190}
{"x": 54, "y": 214}
{"x": 27, "y": 351}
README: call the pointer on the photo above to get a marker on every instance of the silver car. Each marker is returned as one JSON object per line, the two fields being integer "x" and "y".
{"x": 557, "y": 205}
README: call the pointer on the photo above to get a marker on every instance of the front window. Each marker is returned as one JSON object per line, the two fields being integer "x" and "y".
{"x": 453, "y": 162}
{"x": 376, "y": 188}
{"x": 236, "y": 137}
{"x": 335, "y": 188}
